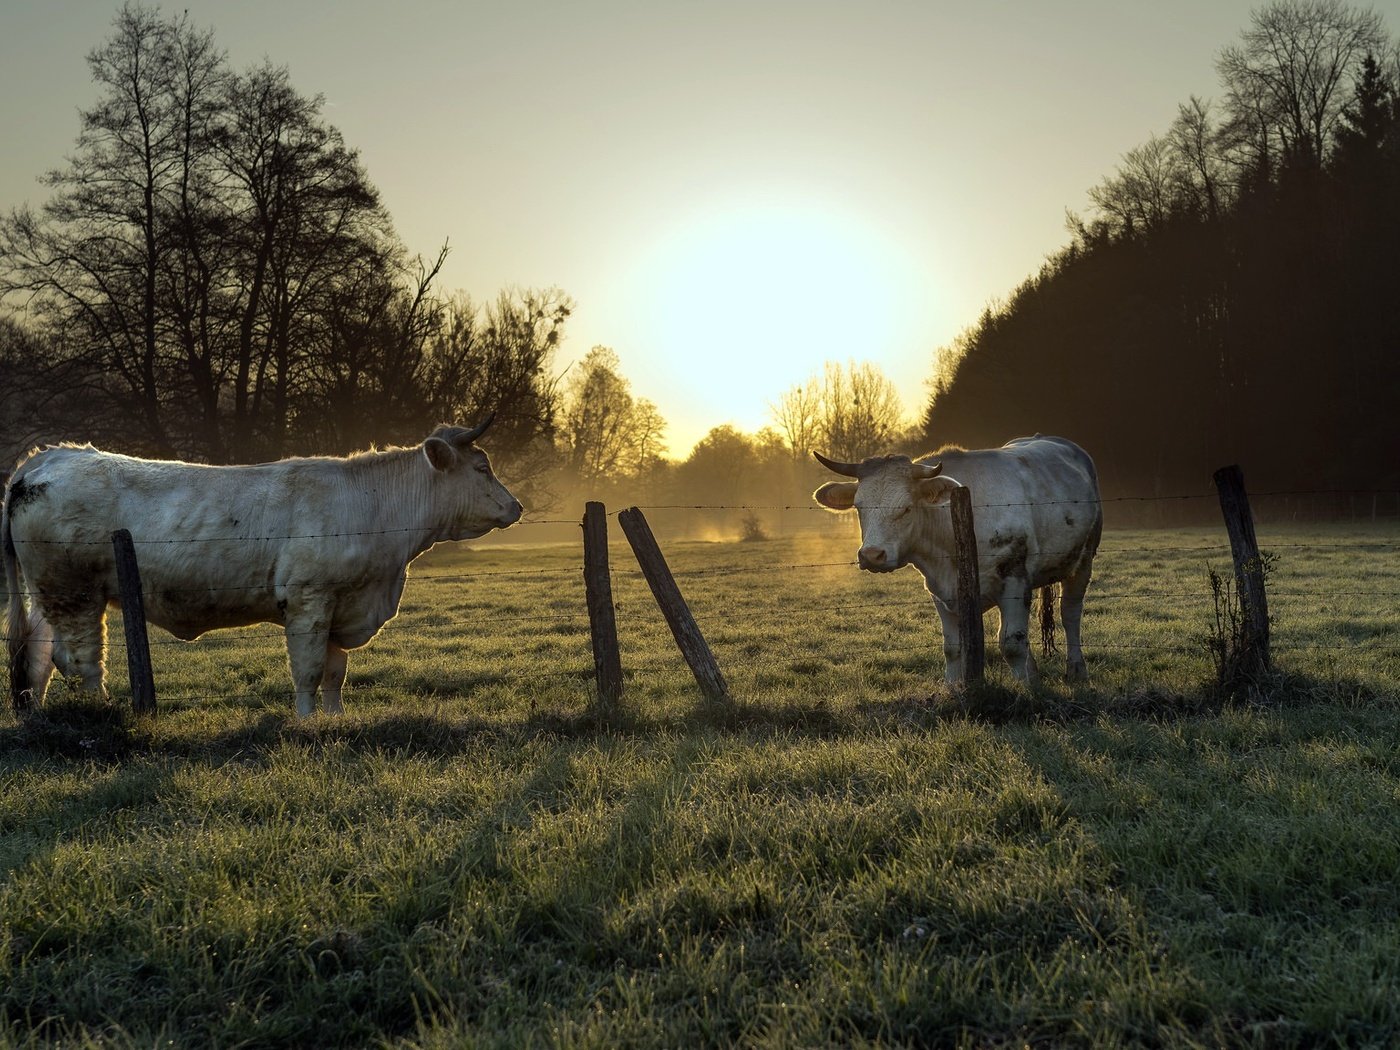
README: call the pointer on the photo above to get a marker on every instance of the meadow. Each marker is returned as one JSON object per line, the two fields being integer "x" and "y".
{"x": 850, "y": 855}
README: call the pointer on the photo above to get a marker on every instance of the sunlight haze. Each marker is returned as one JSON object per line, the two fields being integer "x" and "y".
{"x": 731, "y": 192}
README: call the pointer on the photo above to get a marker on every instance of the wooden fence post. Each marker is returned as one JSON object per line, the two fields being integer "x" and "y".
{"x": 974, "y": 644}
{"x": 138, "y": 646}
{"x": 602, "y": 622}
{"x": 668, "y": 596}
{"x": 1249, "y": 566}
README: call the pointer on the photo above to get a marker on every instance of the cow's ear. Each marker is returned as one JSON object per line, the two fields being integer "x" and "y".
{"x": 836, "y": 495}
{"x": 935, "y": 490}
{"x": 440, "y": 454}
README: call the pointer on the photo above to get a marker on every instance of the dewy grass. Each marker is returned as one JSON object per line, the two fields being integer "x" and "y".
{"x": 852, "y": 855}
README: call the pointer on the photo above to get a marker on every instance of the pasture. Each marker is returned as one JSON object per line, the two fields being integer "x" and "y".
{"x": 851, "y": 856}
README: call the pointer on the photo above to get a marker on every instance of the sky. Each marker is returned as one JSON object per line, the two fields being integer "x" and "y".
{"x": 732, "y": 192}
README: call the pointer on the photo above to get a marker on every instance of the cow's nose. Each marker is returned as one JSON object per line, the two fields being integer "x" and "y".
{"x": 871, "y": 557}
{"x": 515, "y": 511}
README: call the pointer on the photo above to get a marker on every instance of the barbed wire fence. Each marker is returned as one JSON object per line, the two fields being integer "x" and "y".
{"x": 575, "y": 625}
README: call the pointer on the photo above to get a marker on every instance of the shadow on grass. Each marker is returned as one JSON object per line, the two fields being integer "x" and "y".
{"x": 86, "y": 729}
{"x": 93, "y": 730}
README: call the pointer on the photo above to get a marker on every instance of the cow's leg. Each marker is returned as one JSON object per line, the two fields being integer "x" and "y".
{"x": 308, "y": 643}
{"x": 333, "y": 678}
{"x": 1071, "y": 612}
{"x": 952, "y": 642}
{"x": 1014, "y": 638}
{"x": 29, "y": 679}
{"x": 79, "y": 638}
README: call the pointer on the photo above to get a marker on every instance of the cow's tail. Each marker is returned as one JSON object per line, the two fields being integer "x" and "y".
{"x": 1048, "y": 647}
{"x": 18, "y": 630}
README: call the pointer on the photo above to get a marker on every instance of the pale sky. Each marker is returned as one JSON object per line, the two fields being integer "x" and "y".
{"x": 733, "y": 192}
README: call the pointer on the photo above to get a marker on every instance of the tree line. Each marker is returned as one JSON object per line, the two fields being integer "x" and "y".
{"x": 1232, "y": 296}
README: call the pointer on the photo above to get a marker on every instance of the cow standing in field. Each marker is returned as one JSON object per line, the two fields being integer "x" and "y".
{"x": 320, "y": 546}
{"x": 1037, "y": 521}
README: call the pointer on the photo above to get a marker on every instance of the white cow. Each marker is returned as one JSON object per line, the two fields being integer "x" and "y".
{"x": 319, "y": 545}
{"x": 1037, "y": 520}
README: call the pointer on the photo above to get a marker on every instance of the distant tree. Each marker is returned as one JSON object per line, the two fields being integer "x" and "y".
{"x": 729, "y": 468}
{"x": 605, "y": 432}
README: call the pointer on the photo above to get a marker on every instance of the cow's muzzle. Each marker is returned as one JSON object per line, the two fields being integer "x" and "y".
{"x": 875, "y": 559}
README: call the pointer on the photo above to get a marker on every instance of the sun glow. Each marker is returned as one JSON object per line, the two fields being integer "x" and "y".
{"x": 744, "y": 302}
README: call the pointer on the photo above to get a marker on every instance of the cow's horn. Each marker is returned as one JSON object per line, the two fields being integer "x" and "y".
{"x": 924, "y": 471}
{"x": 476, "y": 431}
{"x": 849, "y": 470}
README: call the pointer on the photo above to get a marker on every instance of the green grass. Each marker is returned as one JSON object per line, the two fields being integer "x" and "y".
{"x": 851, "y": 856}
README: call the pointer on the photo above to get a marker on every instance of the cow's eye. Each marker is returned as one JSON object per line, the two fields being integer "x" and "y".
{"x": 482, "y": 468}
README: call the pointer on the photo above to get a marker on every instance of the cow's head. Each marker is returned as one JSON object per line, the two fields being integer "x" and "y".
{"x": 467, "y": 495}
{"x": 887, "y": 493}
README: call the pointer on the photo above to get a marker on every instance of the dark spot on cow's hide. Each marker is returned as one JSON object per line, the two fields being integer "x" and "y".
{"x": 1013, "y": 563}
{"x": 1069, "y": 520}
{"x": 1000, "y": 540}
{"x": 233, "y": 522}
{"x": 22, "y": 492}
{"x": 282, "y": 606}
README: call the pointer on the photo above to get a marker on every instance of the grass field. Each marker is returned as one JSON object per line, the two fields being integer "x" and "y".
{"x": 851, "y": 855}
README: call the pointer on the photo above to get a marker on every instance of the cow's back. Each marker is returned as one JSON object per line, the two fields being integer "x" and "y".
{"x": 208, "y": 539}
{"x": 1035, "y": 503}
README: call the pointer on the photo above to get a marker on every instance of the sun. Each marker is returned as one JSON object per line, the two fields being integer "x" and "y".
{"x": 745, "y": 300}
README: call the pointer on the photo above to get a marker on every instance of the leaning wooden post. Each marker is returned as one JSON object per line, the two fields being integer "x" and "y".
{"x": 138, "y": 646}
{"x": 597, "y": 584}
{"x": 668, "y": 596}
{"x": 974, "y": 644}
{"x": 1249, "y": 566}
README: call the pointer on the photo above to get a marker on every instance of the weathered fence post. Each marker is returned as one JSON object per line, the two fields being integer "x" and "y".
{"x": 974, "y": 645}
{"x": 138, "y": 646}
{"x": 668, "y": 596}
{"x": 1249, "y": 566}
{"x": 602, "y": 621}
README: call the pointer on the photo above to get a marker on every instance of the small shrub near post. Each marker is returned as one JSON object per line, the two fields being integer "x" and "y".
{"x": 138, "y": 646}
{"x": 973, "y": 642}
{"x": 1247, "y": 642}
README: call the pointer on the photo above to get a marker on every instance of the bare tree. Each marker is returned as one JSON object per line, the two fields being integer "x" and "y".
{"x": 1144, "y": 192}
{"x": 1195, "y": 142}
{"x": 1290, "y": 71}
{"x": 850, "y": 411}
{"x": 196, "y": 247}
{"x": 93, "y": 260}
{"x": 797, "y": 415}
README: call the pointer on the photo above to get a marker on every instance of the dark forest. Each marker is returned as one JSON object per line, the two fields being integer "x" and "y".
{"x": 1236, "y": 296}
